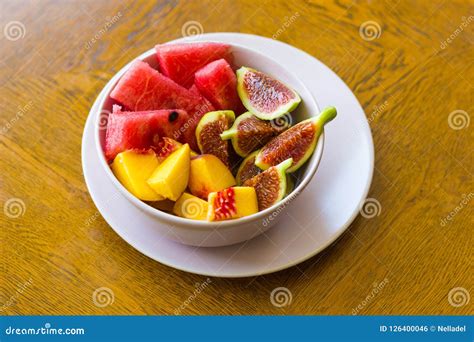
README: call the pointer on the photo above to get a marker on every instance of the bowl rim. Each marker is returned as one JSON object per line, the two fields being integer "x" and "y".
{"x": 174, "y": 220}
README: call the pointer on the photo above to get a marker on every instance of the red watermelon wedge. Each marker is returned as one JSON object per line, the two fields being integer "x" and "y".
{"x": 218, "y": 83}
{"x": 142, "y": 88}
{"x": 206, "y": 102}
{"x": 180, "y": 61}
{"x": 141, "y": 130}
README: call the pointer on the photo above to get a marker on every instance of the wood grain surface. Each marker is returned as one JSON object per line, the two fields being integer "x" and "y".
{"x": 410, "y": 64}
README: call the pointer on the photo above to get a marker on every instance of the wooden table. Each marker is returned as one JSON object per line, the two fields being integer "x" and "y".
{"x": 417, "y": 91}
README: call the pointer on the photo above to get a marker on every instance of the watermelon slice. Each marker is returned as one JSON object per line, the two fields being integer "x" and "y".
{"x": 218, "y": 83}
{"x": 206, "y": 102}
{"x": 180, "y": 61}
{"x": 141, "y": 130}
{"x": 142, "y": 88}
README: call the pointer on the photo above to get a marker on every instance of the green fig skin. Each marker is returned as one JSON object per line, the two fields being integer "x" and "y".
{"x": 262, "y": 191}
{"x": 244, "y": 97}
{"x": 260, "y": 131}
{"x": 283, "y": 168}
{"x": 209, "y": 118}
{"x": 290, "y": 185}
{"x": 231, "y": 134}
{"x": 249, "y": 159}
{"x": 318, "y": 122}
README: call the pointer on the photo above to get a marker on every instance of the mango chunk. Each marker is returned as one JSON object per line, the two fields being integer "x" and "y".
{"x": 170, "y": 178}
{"x": 132, "y": 169}
{"x": 191, "y": 207}
{"x": 209, "y": 174}
{"x": 232, "y": 203}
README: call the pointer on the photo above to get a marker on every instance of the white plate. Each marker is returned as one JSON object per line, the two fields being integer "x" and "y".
{"x": 319, "y": 215}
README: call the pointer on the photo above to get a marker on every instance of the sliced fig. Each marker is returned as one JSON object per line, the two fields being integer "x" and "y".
{"x": 263, "y": 95}
{"x": 247, "y": 168}
{"x": 208, "y": 133}
{"x": 249, "y": 133}
{"x": 270, "y": 185}
{"x": 290, "y": 185}
{"x": 298, "y": 142}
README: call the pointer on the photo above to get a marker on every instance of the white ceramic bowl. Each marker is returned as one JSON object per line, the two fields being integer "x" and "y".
{"x": 213, "y": 234}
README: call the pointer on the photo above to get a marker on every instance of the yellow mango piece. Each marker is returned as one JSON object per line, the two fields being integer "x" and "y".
{"x": 232, "y": 203}
{"x": 170, "y": 178}
{"x": 132, "y": 169}
{"x": 191, "y": 207}
{"x": 209, "y": 174}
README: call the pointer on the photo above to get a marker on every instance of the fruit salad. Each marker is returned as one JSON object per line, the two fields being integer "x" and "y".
{"x": 205, "y": 139}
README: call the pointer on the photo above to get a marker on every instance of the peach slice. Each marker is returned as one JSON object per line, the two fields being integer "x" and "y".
{"x": 132, "y": 169}
{"x": 231, "y": 203}
{"x": 208, "y": 174}
{"x": 170, "y": 178}
{"x": 191, "y": 207}
{"x": 167, "y": 146}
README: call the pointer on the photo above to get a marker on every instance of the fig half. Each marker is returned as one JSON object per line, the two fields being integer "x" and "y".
{"x": 208, "y": 133}
{"x": 249, "y": 133}
{"x": 264, "y": 96}
{"x": 290, "y": 184}
{"x": 247, "y": 168}
{"x": 270, "y": 185}
{"x": 298, "y": 142}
